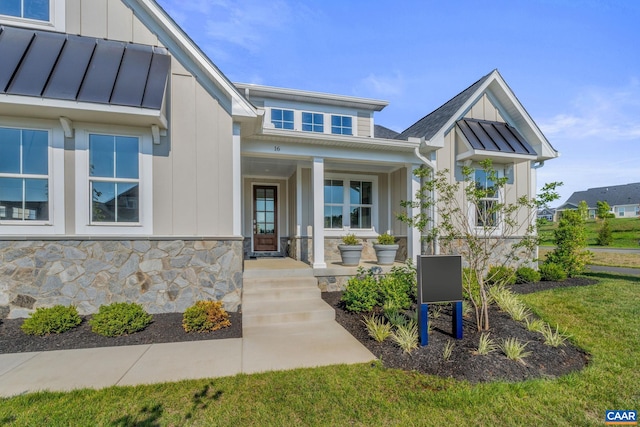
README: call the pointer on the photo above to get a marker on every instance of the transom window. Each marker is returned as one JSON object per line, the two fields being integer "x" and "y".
{"x": 341, "y": 125}
{"x": 114, "y": 178}
{"x": 313, "y": 122}
{"x": 348, "y": 203}
{"x": 282, "y": 119}
{"x": 27, "y": 9}
{"x": 486, "y": 215}
{"x": 24, "y": 175}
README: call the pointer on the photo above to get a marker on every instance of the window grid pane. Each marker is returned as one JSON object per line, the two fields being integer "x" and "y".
{"x": 341, "y": 125}
{"x": 282, "y": 119}
{"x": 312, "y": 122}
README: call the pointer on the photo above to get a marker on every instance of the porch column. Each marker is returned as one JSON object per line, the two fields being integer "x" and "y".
{"x": 317, "y": 178}
{"x": 413, "y": 234}
{"x": 236, "y": 181}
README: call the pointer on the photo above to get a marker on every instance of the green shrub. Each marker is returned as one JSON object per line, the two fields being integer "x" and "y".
{"x": 485, "y": 345}
{"x": 53, "y": 320}
{"x": 605, "y": 238}
{"x": 470, "y": 285}
{"x": 406, "y": 337}
{"x": 350, "y": 239}
{"x": 514, "y": 349}
{"x": 551, "y": 272}
{"x": 394, "y": 291}
{"x": 361, "y": 293}
{"x": 386, "y": 239}
{"x": 119, "y": 318}
{"x": 527, "y": 275}
{"x": 500, "y": 275}
{"x": 377, "y": 328}
{"x": 205, "y": 316}
{"x": 570, "y": 240}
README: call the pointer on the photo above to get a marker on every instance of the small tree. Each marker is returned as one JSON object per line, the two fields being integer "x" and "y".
{"x": 605, "y": 238}
{"x": 480, "y": 237}
{"x": 603, "y": 209}
{"x": 583, "y": 210}
{"x": 570, "y": 240}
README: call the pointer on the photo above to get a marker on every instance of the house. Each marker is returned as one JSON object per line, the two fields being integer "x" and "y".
{"x": 624, "y": 200}
{"x": 132, "y": 169}
{"x": 547, "y": 214}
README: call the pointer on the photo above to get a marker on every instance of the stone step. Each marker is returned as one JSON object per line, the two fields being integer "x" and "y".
{"x": 294, "y": 311}
{"x": 277, "y": 273}
{"x": 278, "y": 282}
{"x": 253, "y": 296}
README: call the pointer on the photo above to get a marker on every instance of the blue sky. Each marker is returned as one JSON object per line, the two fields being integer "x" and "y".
{"x": 574, "y": 65}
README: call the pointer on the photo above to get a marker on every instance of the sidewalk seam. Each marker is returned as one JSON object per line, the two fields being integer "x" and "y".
{"x": 133, "y": 364}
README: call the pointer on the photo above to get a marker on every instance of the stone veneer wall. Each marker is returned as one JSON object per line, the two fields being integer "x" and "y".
{"x": 161, "y": 275}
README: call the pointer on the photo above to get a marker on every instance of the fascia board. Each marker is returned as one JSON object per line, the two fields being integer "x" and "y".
{"x": 328, "y": 139}
{"x": 191, "y": 56}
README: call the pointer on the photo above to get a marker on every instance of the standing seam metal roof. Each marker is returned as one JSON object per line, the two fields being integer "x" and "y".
{"x": 494, "y": 136}
{"x": 85, "y": 69}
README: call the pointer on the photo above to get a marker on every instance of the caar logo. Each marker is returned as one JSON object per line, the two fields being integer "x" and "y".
{"x": 626, "y": 418}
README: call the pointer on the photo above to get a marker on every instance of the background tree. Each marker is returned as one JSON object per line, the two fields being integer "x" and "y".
{"x": 583, "y": 210}
{"x": 570, "y": 239}
{"x": 603, "y": 209}
{"x": 605, "y": 238}
{"x": 499, "y": 231}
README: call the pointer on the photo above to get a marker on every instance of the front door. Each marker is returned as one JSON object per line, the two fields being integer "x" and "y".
{"x": 265, "y": 214}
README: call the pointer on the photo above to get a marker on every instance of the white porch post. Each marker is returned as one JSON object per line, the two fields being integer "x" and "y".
{"x": 413, "y": 234}
{"x": 236, "y": 181}
{"x": 318, "y": 213}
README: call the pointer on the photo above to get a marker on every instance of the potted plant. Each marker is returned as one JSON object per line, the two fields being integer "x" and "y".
{"x": 386, "y": 249}
{"x": 350, "y": 250}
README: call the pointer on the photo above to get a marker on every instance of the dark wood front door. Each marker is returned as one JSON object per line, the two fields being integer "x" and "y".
{"x": 265, "y": 218}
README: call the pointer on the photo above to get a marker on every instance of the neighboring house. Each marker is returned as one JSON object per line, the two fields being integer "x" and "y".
{"x": 624, "y": 200}
{"x": 546, "y": 213}
{"x": 131, "y": 169}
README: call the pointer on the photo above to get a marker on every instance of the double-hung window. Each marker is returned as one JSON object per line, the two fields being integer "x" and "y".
{"x": 486, "y": 215}
{"x": 24, "y": 175}
{"x": 349, "y": 202}
{"x": 28, "y": 9}
{"x": 114, "y": 178}
{"x": 341, "y": 125}
{"x": 282, "y": 119}
{"x": 312, "y": 122}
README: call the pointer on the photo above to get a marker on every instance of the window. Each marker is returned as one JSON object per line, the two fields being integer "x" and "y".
{"x": 349, "y": 203}
{"x": 312, "y": 122}
{"x": 114, "y": 181}
{"x": 282, "y": 119}
{"x": 28, "y": 9}
{"x": 341, "y": 125}
{"x": 24, "y": 175}
{"x": 114, "y": 178}
{"x": 486, "y": 216}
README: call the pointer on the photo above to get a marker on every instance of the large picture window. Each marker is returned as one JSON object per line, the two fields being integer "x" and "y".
{"x": 24, "y": 175}
{"x": 486, "y": 215}
{"x": 349, "y": 203}
{"x": 114, "y": 178}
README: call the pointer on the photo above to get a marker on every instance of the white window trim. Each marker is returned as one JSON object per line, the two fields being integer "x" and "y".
{"x": 83, "y": 196}
{"x": 472, "y": 209}
{"x": 57, "y": 21}
{"x": 331, "y": 116}
{"x": 55, "y": 224}
{"x": 346, "y": 229}
{"x": 273, "y": 126}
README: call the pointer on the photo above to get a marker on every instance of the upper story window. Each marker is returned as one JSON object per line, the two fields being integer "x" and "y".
{"x": 40, "y": 14}
{"x": 24, "y": 175}
{"x": 313, "y": 122}
{"x": 282, "y": 119}
{"x": 486, "y": 214}
{"x": 341, "y": 125}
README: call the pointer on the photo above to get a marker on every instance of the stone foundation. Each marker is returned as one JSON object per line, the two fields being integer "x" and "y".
{"x": 163, "y": 276}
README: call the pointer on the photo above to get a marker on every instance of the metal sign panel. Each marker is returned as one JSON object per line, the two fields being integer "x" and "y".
{"x": 439, "y": 278}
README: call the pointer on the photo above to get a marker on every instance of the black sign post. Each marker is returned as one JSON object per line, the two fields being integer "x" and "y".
{"x": 439, "y": 280}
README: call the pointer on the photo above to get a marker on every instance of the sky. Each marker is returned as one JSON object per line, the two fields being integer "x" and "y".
{"x": 573, "y": 64}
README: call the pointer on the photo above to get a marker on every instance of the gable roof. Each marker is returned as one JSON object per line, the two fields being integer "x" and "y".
{"x": 380, "y": 131}
{"x": 614, "y": 195}
{"x": 185, "y": 50}
{"x": 84, "y": 69}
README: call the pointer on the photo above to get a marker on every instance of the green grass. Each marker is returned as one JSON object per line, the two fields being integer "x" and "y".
{"x": 612, "y": 259}
{"x": 625, "y": 232}
{"x": 603, "y": 319}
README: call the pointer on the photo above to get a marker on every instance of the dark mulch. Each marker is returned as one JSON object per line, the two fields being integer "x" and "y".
{"x": 164, "y": 328}
{"x": 544, "y": 361}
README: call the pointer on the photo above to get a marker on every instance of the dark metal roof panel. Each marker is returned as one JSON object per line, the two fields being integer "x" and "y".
{"x": 132, "y": 77}
{"x": 69, "y": 72}
{"x": 13, "y": 45}
{"x": 494, "y": 136}
{"x": 61, "y": 66}
{"x": 103, "y": 69}
{"x": 157, "y": 80}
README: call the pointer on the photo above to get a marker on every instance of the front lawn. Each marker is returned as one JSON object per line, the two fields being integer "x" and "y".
{"x": 625, "y": 232}
{"x": 604, "y": 319}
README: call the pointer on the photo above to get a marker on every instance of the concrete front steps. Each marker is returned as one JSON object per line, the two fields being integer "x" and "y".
{"x": 281, "y": 292}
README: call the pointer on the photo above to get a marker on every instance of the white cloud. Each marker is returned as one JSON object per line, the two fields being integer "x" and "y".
{"x": 385, "y": 86}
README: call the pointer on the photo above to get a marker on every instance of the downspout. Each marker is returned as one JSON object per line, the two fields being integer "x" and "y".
{"x": 434, "y": 195}
{"x": 535, "y": 166}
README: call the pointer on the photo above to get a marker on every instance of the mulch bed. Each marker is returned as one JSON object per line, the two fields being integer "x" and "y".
{"x": 166, "y": 327}
{"x": 543, "y": 362}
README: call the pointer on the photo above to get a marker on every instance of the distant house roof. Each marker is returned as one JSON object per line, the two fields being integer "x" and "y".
{"x": 430, "y": 124}
{"x": 384, "y": 132}
{"x": 614, "y": 195}
{"x": 494, "y": 136}
{"x": 85, "y": 69}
